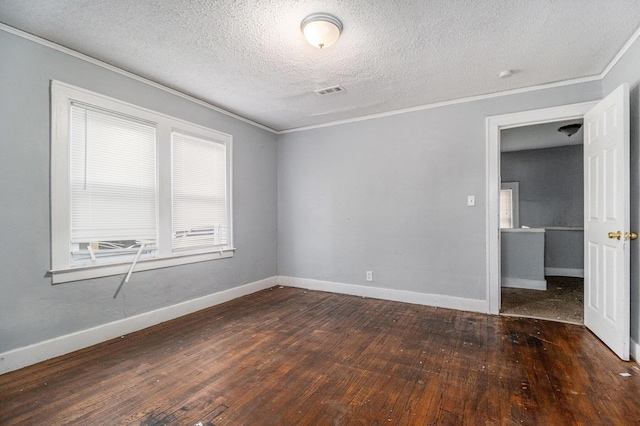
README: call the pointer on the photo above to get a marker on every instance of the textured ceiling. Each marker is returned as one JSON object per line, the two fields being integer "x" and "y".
{"x": 538, "y": 136}
{"x": 250, "y": 58}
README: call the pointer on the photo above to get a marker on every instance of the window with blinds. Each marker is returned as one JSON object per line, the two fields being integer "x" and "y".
{"x": 133, "y": 189}
{"x": 506, "y": 208}
{"x": 199, "y": 193}
{"x": 510, "y": 205}
{"x": 113, "y": 186}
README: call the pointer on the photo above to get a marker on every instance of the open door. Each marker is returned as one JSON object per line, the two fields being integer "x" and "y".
{"x": 606, "y": 221}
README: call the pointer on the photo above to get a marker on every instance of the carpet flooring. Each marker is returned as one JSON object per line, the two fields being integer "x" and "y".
{"x": 562, "y": 301}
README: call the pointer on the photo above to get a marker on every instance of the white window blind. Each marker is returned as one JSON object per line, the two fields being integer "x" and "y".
{"x": 113, "y": 186}
{"x": 506, "y": 208}
{"x": 199, "y": 193}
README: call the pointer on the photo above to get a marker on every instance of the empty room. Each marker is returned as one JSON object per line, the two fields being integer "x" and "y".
{"x": 293, "y": 212}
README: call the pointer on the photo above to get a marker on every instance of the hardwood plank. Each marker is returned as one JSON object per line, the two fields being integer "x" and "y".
{"x": 288, "y": 356}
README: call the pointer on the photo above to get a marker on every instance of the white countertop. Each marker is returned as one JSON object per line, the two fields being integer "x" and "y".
{"x": 544, "y": 228}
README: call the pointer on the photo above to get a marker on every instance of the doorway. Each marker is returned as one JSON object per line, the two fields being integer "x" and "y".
{"x": 541, "y": 221}
{"x": 606, "y": 213}
{"x": 495, "y": 125}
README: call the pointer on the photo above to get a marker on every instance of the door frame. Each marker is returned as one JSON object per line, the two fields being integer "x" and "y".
{"x": 494, "y": 124}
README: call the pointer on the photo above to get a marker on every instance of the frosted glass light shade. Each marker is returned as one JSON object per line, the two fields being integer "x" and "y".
{"x": 321, "y": 30}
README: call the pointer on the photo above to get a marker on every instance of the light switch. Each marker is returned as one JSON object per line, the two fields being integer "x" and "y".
{"x": 471, "y": 200}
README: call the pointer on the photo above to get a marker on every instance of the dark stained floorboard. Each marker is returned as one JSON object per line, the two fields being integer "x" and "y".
{"x": 288, "y": 356}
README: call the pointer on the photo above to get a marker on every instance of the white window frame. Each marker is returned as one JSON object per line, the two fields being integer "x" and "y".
{"x": 62, "y": 95}
{"x": 515, "y": 202}
{"x": 216, "y": 184}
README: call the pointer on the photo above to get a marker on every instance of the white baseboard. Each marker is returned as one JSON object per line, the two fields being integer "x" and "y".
{"x": 441, "y": 301}
{"x": 523, "y": 283}
{"x": 32, "y": 354}
{"x": 564, "y": 272}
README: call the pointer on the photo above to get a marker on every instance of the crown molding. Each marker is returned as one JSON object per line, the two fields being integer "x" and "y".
{"x": 94, "y": 61}
{"x": 447, "y": 103}
{"x": 620, "y": 54}
{"x": 110, "y": 67}
{"x": 598, "y": 77}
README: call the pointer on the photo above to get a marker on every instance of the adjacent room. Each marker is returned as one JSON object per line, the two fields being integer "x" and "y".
{"x": 541, "y": 215}
{"x": 291, "y": 213}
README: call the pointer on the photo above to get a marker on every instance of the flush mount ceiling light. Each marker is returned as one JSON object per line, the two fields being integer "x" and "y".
{"x": 321, "y": 30}
{"x": 570, "y": 129}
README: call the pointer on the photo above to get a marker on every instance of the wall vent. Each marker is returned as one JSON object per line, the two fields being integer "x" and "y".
{"x": 328, "y": 90}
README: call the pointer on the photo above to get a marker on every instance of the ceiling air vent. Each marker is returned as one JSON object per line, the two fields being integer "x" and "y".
{"x": 328, "y": 90}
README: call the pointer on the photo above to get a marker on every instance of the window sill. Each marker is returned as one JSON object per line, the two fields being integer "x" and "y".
{"x": 95, "y": 271}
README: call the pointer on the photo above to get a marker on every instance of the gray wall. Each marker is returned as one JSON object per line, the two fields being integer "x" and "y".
{"x": 628, "y": 71}
{"x": 31, "y": 309}
{"x": 551, "y": 184}
{"x": 389, "y": 195}
{"x": 522, "y": 255}
{"x": 551, "y": 194}
{"x": 564, "y": 249}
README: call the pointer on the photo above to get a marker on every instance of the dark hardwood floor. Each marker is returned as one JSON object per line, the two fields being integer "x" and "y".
{"x": 287, "y": 356}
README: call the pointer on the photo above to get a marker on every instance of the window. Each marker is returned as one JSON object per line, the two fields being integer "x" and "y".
{"x": 113, "y": 186}
{"x": 199, "y": 188}
{"x": 128, "y": 183}
{"x": 509, "y": 205}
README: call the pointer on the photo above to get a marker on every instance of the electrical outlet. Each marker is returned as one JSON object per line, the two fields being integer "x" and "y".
{"x": 471, "y": 200}
{"x": 369, "y": 275}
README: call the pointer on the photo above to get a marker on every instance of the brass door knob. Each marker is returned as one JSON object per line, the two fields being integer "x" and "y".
{"x": 616, "y": 235}
{"x": 630, "y": 236}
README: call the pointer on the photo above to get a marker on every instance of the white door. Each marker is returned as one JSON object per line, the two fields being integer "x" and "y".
{"x": 606, "y": 221}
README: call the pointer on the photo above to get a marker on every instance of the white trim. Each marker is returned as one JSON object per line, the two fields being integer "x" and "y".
{"x": 515, "y": 202}
{"x": 564, "y": 272}
{"x": 598, "y": 77}
{"x": 445, "y": 103}
{"x": 564, "y": 228}
{"x": 634, "y": 351}
{"x": 105, "y": 270}
{"x": 28, "y": 355}
{"x": 62, "y": 267}
{"x": 620, "y": 54}
{"x": 511, "y": 282}
{"x": 438, "y": 300}
{"x": 110, "y": 67}
{"x": 94, "y": 61}
{"x": 522, "y": 230}
{"x": 493, "y": 126}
